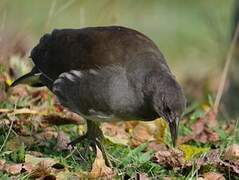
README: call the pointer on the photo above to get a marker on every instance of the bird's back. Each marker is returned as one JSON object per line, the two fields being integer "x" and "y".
{"x": 89, "y": 48}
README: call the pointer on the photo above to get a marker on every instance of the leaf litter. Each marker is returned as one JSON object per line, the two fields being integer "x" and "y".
{"x": 36, "y": 114}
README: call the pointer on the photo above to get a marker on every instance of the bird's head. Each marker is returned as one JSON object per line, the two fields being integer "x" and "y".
{"x": 169, "y": 102}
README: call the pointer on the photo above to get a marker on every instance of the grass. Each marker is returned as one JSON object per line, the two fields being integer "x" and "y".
{"x": 193, "y": 35}
{"x": 128, "y": 162}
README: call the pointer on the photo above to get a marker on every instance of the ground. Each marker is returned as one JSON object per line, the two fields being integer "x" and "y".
{"x": 35, "y": 130}
{"x": 194, "y": 37}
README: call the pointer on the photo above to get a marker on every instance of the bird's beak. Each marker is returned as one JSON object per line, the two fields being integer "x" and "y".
{"x": 32, "y": 78}
{"x": 173, "y": 125}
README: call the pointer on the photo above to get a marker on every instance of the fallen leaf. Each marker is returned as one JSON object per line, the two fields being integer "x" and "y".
{"x": 117, "y": 140}
{"x": 171, "y": 157}
{"x": 141, "y": 134}
{"x": 13, "y": 168}
{"x": 61, "y": 119}
{"x": 201, "y": 130}
{"x": 161, "y": 125}
{"x": 42, "y": 169}
{"x": 130, "y": 125}
{"x": 42, "y": 94}
{"x": 35, "y": 160}
{"x": 232, "y": 153}
{"x": 184, "y": 139}
{"x": 116, "y": 133}
{"x": 153, "y": 145}
{"x": 28, "y": 167}
{"x": 210, "y": 158}
{"x": 213, "y": 176}
{"x": 213, "y": 158}
{"x": 191, "y": 151}
{"x": 99, "y": 169}
{"x": 20, "y": 91}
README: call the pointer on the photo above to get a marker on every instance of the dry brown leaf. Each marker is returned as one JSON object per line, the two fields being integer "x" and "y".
{"x": 211, "y": 118}
{"x": 36, "y": 160}
{"x": 141, "y": 134}
{"x": 20, "y": 91}
{"x": 115, "y": 132}
{"x": 201, "y": 130}
{"x": 211, "y": 135}
{"x": 153, "y": 145}
{"x": 13, "y": 168}
{"x": 213, "y": 176}
{"x": 61, "y": 119}
{"x": 42, "y": 94}
{"x": 130, "y": 125}
{"x": 232, "y": 153}
{"x": 99, "y": 169}
{"x": 62, "y": 141}
{"x": 28, "y": 167}
{"x": 42, "y": 169}
{"x": 184, "y": 139}
{"x": 114, "y": 129}
{"x": 213, "y": 157}
{"x": 171, "y": 157}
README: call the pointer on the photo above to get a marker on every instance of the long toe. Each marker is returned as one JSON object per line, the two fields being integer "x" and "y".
{"x": 77, "y": 140}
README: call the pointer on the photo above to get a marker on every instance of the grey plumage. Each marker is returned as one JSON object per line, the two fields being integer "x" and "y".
{"x": 107, "y": 73}
{"x": 120, "y": 92}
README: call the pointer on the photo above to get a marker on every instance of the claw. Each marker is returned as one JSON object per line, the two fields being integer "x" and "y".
{"x": 77, "y": 140}
{"x": 95, "y": 136}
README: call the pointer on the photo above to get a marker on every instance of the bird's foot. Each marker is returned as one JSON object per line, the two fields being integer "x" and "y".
{"x": 94, "y": 137}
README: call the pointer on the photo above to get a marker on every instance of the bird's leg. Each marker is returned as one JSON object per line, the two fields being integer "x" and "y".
{"x": 95, "y": 135}
{"x": 93, "y": 132}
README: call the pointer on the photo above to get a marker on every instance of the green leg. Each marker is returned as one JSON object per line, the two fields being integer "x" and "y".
{"x": 95, "y": 136}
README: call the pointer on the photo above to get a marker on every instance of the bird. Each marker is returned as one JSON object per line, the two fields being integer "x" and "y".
{"x": 107, "y": 74}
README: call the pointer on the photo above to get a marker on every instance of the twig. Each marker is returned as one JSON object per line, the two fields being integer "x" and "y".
{"x": 225, "y": 70}
{"x": 19, "y": 111}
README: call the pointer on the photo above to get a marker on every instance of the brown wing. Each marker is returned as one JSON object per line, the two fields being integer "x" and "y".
{"x": 89, "y": 48}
